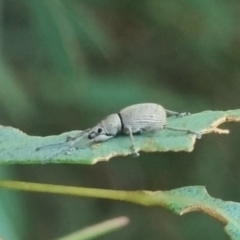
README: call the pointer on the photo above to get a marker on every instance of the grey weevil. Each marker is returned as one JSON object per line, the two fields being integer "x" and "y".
{"x": 135, "y": 119}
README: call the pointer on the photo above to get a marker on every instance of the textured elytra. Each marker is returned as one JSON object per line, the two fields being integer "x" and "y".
{"x": 148, "y": 116}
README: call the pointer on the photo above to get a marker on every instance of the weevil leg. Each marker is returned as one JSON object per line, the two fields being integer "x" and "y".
{"x": 49, "y": 158}
{"x": 183, "y": 114}
{"x": 198, "y": 135}
{"x": 134, "y": 150}
{"x": 67, "y": 151}
{"x": 69, "y": 138}
{"x": 73, "y": 146}
{"x": 50, "y": 145}
{"x": 176, "y": 114}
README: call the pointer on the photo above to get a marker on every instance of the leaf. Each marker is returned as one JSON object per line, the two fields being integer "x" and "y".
{"x": 18, "y": 147}
{"x": 179, "y": 201}
{"x": 197, "y": 199}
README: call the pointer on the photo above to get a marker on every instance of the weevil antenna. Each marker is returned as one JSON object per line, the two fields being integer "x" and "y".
{"x": 68, "y": 139}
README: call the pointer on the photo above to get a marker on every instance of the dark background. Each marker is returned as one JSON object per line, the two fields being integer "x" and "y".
{"x": 64, "y": 65}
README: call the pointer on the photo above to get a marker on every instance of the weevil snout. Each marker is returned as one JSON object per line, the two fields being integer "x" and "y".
{"x": 95, "y": 132}
{"x": 98, "y": 134}
{"x": 106, "y": 129}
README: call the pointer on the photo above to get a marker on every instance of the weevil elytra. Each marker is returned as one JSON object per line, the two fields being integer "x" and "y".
{"x": 135, "y": 119}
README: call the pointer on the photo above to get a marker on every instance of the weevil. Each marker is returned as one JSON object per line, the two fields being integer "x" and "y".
{"x": 135, "y": 119}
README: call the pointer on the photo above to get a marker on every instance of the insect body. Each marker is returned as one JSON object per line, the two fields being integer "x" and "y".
{"x": 134, "y": 119}
{"x": 130, "y": 120}
{"x": 138, "y": 118}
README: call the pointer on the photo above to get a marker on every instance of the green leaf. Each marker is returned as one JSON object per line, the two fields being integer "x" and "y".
{"x": 179, "y": 201}
{"x": 18, "y": 147}
{"x": 191, "y": 199}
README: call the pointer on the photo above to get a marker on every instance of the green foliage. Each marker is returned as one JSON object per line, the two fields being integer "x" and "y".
{"x": 17, "y": 147}
{"x": 189, "y": 199}
{"x": 179, "y": 201}
{"x": 66, "y": 64}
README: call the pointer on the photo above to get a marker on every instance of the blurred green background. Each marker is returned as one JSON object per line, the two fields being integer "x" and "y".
{"x": 64, "y": 65}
